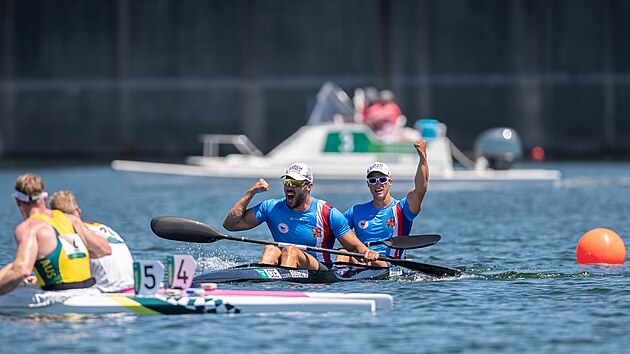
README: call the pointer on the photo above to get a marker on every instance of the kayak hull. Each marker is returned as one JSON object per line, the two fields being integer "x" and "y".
{"x": 262, "y": 273}
{"x": 177, "y": 302}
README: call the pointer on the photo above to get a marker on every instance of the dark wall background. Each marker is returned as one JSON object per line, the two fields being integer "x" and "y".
{"x": 145, "y": 77}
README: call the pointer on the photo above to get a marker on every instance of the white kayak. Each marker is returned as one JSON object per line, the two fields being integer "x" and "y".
{"x": 173, "y": 302}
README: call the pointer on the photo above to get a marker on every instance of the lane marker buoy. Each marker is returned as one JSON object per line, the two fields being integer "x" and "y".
{"x": 600, "y": 245}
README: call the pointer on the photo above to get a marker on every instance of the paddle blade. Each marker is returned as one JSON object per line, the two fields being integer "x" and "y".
{"x": 427, "y": 268}
{"x": 412, "y": 242}
{"x": 182, "y": 229}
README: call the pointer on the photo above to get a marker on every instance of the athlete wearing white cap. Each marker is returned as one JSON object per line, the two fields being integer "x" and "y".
{"x": 385, "y": 217}
{"x": 298, "y": 218}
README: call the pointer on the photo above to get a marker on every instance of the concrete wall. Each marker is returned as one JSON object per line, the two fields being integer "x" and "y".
{"x": 145, "y": 77}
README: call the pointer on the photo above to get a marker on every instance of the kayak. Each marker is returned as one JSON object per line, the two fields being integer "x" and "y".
{"x": 189, "y": 301}
{"x": 188, "y": 230}
{"x": 264, "y": 273}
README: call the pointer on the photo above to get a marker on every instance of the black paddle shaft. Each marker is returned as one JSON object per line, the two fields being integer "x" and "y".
{"x": 182, "y": 229}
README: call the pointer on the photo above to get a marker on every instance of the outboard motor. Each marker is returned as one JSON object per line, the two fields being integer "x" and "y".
{"x": 498, "y": 148}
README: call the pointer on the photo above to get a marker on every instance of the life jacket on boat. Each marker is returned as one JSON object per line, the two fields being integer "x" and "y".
{"x": 68, "y": 265}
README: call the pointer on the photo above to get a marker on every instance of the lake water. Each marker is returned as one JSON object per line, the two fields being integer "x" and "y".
{"x": 523, "y": 291}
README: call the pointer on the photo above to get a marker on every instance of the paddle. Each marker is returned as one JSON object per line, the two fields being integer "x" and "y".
{"x": 182, "y": 229}
{"x": 409, "y": 242}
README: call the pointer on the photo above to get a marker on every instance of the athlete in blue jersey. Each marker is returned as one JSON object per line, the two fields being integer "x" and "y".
{"x": 298, "y": 218}
{"x": 385, "y": 217}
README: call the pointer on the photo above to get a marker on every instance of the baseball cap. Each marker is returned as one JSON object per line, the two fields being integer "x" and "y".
{"x": 378, "y": 167}
{"x": 299, "y": 172}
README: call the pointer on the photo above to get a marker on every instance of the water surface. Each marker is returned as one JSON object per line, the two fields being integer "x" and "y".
{"x": 523, "y": 291}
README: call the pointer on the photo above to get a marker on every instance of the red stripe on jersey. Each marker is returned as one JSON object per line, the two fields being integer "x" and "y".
{"x": 326, "y": 241}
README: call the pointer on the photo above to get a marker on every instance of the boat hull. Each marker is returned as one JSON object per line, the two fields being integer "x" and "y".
{"x": 402, "y": 172}
{"x": 259, "y": 273}
{"x": 177, "y": 302}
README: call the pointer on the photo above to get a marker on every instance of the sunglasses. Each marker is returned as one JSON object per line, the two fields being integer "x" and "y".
{"x": 294, "y": 183}
{"x": 381, "y": 180}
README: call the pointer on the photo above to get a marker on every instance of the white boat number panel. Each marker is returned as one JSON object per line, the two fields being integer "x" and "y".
{"x": 147, "y": 276}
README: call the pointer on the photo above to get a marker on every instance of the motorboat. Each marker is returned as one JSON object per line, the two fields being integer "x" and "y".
{"x": 338, "y": 146}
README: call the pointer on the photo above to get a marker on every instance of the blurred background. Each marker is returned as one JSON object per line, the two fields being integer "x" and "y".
{"x": 115, "y": 79}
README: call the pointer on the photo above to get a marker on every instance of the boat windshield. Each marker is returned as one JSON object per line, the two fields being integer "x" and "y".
{"x": 332, "y": 105}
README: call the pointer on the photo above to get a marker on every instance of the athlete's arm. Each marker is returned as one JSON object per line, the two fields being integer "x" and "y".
{"x": 350, "y": 242}
{"x": 421, "y": 179}
{"x": 98, "y": 246}
{"x": 240, "y": 218}
{"x": 14, "y": 273}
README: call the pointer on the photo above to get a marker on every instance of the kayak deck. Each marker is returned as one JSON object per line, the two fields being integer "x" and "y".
{"x": 254, "y": 272}
{"x": 172, "y": 302}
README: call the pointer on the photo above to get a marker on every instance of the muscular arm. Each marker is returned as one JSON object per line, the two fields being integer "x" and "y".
{"x": 421, "y": 179}
{"x": 15, "y": 272}
{"x": 240, "y": 218}
{"x": 350, "y": 242}
{"x": 98, "y": 246}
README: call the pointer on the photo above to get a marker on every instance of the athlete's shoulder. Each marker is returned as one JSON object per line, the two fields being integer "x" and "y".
{"x": 272, "y": 201}
{"x": 27, "y": 225}
{"x": 357, "y": 208}
{"x": 73, "y": 218}
{"x": 323, "y": 205}
{"x": 32, "y": 226}
{"x": 270, "y": 206}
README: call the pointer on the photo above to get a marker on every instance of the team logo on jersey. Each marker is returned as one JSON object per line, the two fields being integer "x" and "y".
{"x": 283, "y": 228}
{"x": 363, "y": 224}
{"x": 317, "y": 232}
{"x": 390, "y": 222}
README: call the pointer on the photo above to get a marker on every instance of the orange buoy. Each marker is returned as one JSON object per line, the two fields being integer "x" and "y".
{"x": 538, "y": 154}
{"x": 600, "y": 246}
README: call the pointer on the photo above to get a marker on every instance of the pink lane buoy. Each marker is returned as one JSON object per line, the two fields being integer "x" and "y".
{"x": 600, "y": 245}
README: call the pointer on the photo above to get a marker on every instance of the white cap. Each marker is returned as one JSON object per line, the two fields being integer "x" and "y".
{"x": 299, "y": 172}
{"x": 378, "y": 167}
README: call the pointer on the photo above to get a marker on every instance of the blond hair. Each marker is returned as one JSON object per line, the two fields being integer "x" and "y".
{"x": 64, "y": 201}
{"x": 32, "y": 186}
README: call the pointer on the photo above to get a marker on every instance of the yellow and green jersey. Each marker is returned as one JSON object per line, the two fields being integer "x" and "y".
{"x": 68, "y": 266}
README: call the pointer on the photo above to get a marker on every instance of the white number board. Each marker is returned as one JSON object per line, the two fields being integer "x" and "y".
{"x": 180, "y": 270}
{"x": 147, "y": 276}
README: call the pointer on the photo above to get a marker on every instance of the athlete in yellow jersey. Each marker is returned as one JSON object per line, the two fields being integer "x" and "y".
{"x": 112, "y": 273}
{"x": 65, "y": 267}
{"x": 56, "y": 245}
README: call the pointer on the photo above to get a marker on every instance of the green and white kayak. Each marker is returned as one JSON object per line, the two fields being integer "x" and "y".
{"x": 189, "y": 301}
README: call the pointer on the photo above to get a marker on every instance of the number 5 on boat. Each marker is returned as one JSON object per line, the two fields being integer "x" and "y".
{"x": 147, "y": 276}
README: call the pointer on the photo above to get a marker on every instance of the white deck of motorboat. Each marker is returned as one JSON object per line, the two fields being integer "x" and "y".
{"x": 339, "y": 147}
{"x": 398, "y": 172}
{"x": 307, "y": 145}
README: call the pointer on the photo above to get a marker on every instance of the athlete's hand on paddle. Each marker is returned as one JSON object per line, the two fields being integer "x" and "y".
{"x": 370, "y": 256}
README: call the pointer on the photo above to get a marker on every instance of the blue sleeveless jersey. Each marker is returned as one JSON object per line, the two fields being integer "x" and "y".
{"x": 319, "y": 226}
{"x": 371, "y": 224}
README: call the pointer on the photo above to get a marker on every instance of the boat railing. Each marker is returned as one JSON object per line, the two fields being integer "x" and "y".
{"x": 211, "y": 143}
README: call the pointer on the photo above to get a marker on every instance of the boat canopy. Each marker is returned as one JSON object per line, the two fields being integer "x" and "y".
{"x": 333, "y": 105}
